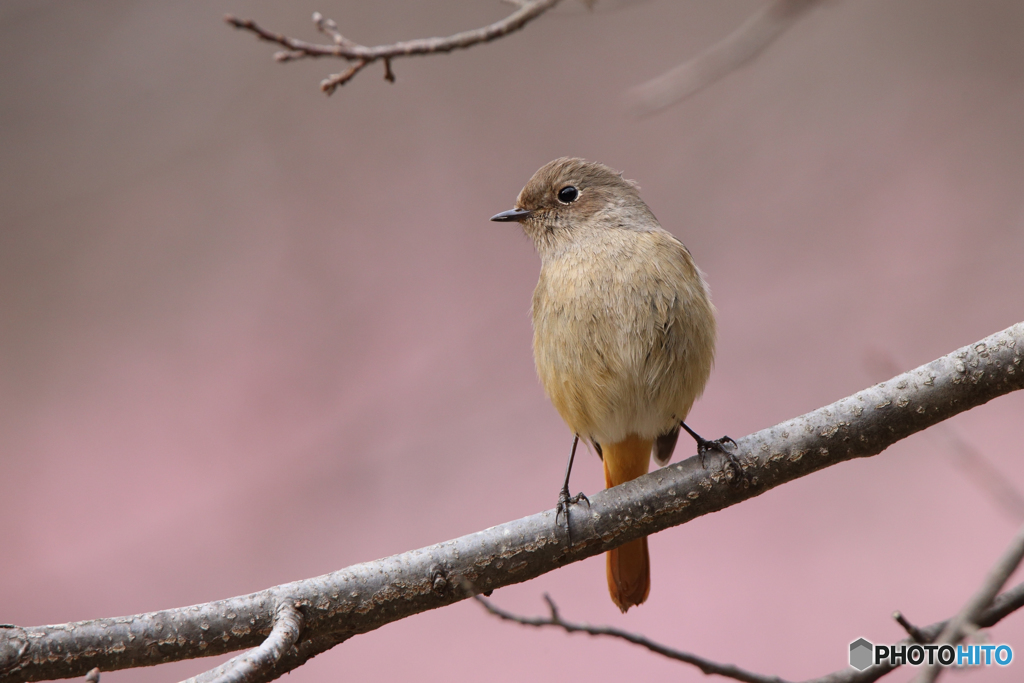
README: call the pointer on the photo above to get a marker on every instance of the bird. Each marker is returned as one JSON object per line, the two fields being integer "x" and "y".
{"x": 623, "y": 332}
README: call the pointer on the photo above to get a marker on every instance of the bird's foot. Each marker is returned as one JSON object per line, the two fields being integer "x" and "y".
{"x": 704, "y": 446}
{"x": 565, "y": 502}
{"x": 725, "y": 446}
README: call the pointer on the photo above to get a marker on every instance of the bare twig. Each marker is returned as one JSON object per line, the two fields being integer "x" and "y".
{"x": 332, "y": 82}
{"x": 1005, "y": 604}
{"x": 967, "y": 618}
{"x": 364, "y": 597}
{"x": 914, "y": 632}
{"x": 705, "y": 665}
{"x": 361, "y": 55}
{"x": 721, "y": 59}
{"x": 330, "y": 29}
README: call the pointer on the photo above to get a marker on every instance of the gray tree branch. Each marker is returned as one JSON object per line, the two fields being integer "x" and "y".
{"x": 366, "y": 596}
{"x": 246, "y": 667}
{"x": 971, "y": 460}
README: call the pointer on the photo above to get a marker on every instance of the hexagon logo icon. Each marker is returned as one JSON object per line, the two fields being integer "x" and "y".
{"x": 861, "y": 652}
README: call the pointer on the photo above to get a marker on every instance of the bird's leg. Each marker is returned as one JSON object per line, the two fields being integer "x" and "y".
{"x": 564, "y": 499}
{"x": 704, "y": 446}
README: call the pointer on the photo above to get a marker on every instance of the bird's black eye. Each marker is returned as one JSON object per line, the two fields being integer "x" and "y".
{"x": 568, "y": 194}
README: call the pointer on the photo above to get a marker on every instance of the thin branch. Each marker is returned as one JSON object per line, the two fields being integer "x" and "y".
{"x": 364, "y": 597}
{"x": 247, "y": 667}
{"x": 1005, "y": 604}
{"x": 705, "y": 665}
{"x": 291, "y": 658}
{"x": 721, "y": 59}
{"x": 330, "y": 29}
{"x": 361, "y": 55}
{"x": 913, "y": 631}
{"x": 966, "y": 619}
{"x": 332, "y": 82}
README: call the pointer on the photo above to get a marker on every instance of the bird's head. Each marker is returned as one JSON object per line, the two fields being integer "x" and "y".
{"x": 569, "y": 200}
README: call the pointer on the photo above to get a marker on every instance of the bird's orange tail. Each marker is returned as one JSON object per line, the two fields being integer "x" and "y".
{"x": 629, "y": 565}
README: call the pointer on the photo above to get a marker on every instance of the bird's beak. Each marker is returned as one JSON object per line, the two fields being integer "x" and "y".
{"x": 517, "y": 215}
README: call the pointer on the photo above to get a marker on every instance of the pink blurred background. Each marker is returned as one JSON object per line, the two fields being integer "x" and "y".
{"x": 251, "y": 334}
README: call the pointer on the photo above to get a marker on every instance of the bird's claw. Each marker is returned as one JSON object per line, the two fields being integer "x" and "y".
{"x": 565, "y": 501}
{"x": 704, "y": 446}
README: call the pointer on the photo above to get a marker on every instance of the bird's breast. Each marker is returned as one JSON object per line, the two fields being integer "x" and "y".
{"x": 623, "y": 336}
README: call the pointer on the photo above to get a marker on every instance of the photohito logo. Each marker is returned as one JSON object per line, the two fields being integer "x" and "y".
{"x": 864, "y": 654}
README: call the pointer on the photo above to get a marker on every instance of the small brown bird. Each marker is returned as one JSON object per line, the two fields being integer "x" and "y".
{"x": 623, "y": 331}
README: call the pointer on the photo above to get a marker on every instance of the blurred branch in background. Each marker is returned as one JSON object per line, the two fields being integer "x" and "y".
{"x": 971, "y": 615}
{"x": 740, "y": 47}
{"x": 721, "y": 59}
{"x": 288, "y": 624}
